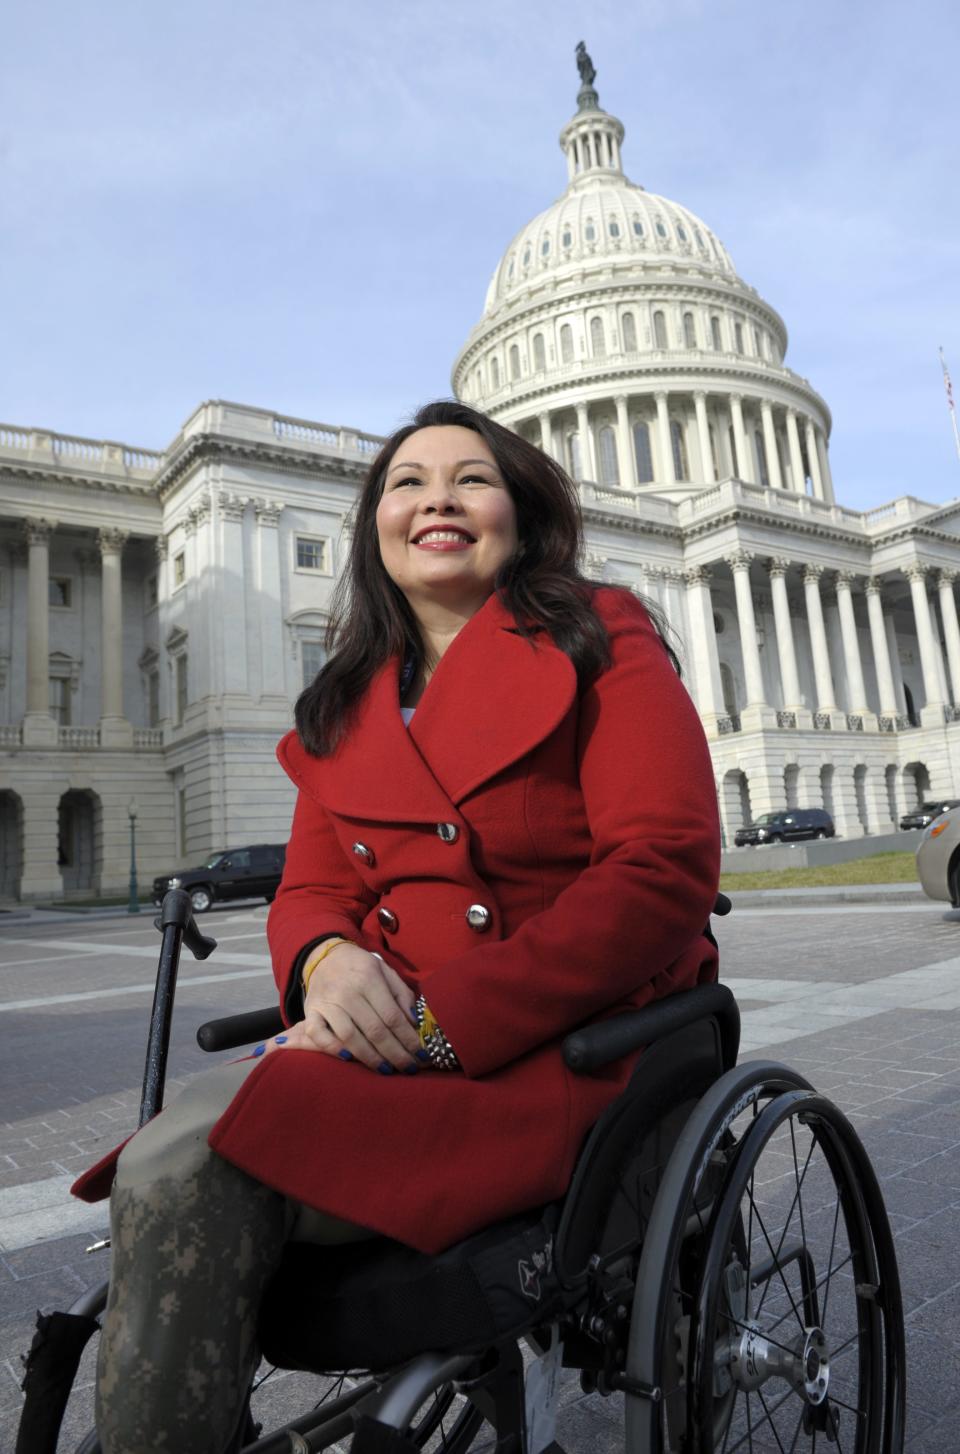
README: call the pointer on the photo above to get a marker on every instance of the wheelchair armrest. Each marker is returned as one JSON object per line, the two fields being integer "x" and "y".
{"x": 234, "y": 1031}
{"x": 597, "y": 1045}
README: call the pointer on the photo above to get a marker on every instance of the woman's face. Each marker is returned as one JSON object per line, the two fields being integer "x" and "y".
{"x": 446, "y": 522}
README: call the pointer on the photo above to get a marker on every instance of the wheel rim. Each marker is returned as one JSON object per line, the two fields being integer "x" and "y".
{"x": 787, "y": 1324}
{"x": 200, "y": 900}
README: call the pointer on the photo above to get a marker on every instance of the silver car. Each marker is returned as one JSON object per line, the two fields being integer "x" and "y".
{"x": 938, "y": 858}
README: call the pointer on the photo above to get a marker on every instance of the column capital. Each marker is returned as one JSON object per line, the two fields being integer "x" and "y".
{"x": 161, "y": 546}
{"x": 812, "y": 573}
{"x": 268, "y": 512}
{"x": 946, "y": 578}
{"x": 916, "y": 572}
{"x": 847, "y": 578}
{"x": 778, "y": 565}
{"x": 661, "y": 396}
{"x": 619, "y": 399}
{"x": 232, "y": 506}
{"x": 38, "y": 531}
{"x": 700, "y": 394}
{"x": 873, "y": 586}
{"x": 736, "y": 398}
{"x": 697, "y": 575}
{"x": 739, "y": 559}
{"x": 111, "y": 541}
{"x": 199, "y": 512}
{"x": 791, "y": 412}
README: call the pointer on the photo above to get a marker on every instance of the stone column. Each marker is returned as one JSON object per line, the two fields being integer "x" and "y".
{"x": 703, "y": 433}
{"x": 115, "y": 730}
{"x": 851, "y": 652}
{"x": 786, "y": 650}
{"x": 796, "y": 456}
{"x": 270, "y": 605}
{"x": 232, "y": 593}
{"x": 881, "y": 655}
{"x": 628, "y": 479}
{"x": 668, "y": 473}
{"x": 823, "y": 455}
{"x": 744, "y": 462}
{"x": 931, "y": 714}
{"x": 546, "y": 434}
{"x": 818, "y": 643}
{"x": 703, "y": 647}
{"x": 588, "y": 454}
{"x": 813, "y": 459}
{"x": 770, "y": 443}
{"x": 39, "y": 728}
{"x": 951, "y": 630}
{"x": 757, "y": 712}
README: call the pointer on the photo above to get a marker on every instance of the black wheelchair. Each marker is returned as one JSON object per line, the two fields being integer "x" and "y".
{"x": 721, "y": 1271}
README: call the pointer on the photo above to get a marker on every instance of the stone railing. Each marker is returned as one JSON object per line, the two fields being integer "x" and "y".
{"x": 786, "y": 719}
{"x": 10, "y": 735}
{"x": 78, "y": 738}
{"x": 102, "y": 455}
{"x": 147, "y": 739}
{"x": 728, "y": 724}
{"x": 303, "y": 431}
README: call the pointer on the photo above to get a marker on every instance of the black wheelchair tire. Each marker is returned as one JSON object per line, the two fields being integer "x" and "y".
{"x": 698, "y": 1243}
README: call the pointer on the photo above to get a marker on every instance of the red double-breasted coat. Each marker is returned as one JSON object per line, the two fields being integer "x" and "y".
{"x": 584, "y": 823}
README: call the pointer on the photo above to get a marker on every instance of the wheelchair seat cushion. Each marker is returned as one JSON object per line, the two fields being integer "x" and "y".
{"x": 375, "y": 1304}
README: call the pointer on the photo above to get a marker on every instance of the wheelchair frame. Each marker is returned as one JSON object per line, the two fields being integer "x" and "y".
{"x": 669, "y": 1318}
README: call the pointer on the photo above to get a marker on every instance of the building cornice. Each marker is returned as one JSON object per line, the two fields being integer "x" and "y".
{"x": 200, "y": 449}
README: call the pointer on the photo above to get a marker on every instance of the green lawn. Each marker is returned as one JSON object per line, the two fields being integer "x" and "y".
{"x": 881, "y": 868}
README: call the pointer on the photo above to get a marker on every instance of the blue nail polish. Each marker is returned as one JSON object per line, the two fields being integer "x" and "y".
{"x": 413, "y": 1017}
{"x": 423, "y": 1055}
{"x": 411, "y": 1070}
{"x": 281, "y": 1039}
{"x": 259, "y": 1050}
{"x": 385, "y": 1068}
{"x": 344, "y": 1055}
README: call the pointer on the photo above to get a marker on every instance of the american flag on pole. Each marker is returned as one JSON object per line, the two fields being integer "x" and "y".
{"x": 950, "y": 404}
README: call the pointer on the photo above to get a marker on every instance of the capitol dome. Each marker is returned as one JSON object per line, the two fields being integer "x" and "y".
{"x": 617, "y": 334}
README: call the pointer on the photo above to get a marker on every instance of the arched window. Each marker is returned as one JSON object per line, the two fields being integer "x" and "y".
{"x": 598, "y": 343}
{"x": 689, "y": 331}
{"x": 738, "y": 337}
{"x": 526, "y": 257}
{"x": 641, "y": 448}
{"x": 566, "y": 344}
{"x": 573, "y": 456}
{"x": 494, "y": 373}
{"x": 696, "y": 233}
{"x": 628, "y": 328}
{"x": 590, "y": 232}
{"x": 614, "y": 227}
{"x": 715, "y": 338}
{"x": 681, "y": 467}
{"x": 545, "y": 247}
{"x": 661, "y": 230}
{"x": 757, "y": 343}
{"x": 637, "y": 227}
{"x": 681, "y": 232}
{"x": 714, "y": 451}
{"x": 539, "y": 353}
{"x": 609, "y": 468}
{"x": 514, "y": 361}
{"x": 567, "y": 238}
{"x": 659, "y": 330}
{"x": 763, "y": 472}
{"x": 510, "y": 269}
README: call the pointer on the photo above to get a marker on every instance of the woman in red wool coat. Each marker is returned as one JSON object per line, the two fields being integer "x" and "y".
{"x": 506, "y": 827}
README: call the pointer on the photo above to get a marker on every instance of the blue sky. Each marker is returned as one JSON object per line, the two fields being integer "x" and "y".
{"x": 299, "y": 205}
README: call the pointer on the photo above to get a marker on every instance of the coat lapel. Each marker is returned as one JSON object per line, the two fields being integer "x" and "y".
{"x": 492, "y": 699}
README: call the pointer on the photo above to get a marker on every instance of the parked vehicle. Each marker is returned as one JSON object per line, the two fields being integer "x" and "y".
{"x": 938, "y": 857}
{"x": 239, "y": 873}
{"x": 786, "y": 826}
{"x": 927, "y": 811}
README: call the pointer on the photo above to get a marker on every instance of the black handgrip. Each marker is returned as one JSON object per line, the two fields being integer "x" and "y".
{"x": 177, "y": 910}
{"x": 236, "y": 1030}
{"x": 597, "y": 1045}
{"x": 723, "y": 905}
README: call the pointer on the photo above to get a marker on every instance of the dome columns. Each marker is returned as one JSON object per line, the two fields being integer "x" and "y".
{"x": 744, "y": 465}
{"x": 624, "y": 449}
{"x": 668, "y": 474}
{"x": 770, "y": 445}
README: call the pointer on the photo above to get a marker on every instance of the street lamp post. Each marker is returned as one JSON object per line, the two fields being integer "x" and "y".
{"x": 133, "y": 906}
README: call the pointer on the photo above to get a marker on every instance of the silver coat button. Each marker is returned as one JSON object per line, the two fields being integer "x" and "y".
{"x": 366, "y": 855}
{"x": 388, "y": 920}
{"x": 448, "y": 832}
{"x": 479, "y": 917}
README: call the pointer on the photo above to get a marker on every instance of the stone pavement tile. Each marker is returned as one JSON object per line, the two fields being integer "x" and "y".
{"x": 592, "y": 1424}
{"x": 943, "y": 1170}
{"x": 47, "y": 1290}
{"x": 926, "y": 1268}
{"x": 938, "y": 1438}
{"x": 933, "y": 1389}
{"x": 906, "y": 1197}
{"x": 66, "y": 1252}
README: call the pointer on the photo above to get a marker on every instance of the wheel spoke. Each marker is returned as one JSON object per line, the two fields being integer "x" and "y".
{"x": 767, "y": 1415}
{"x": 796, "y": 1433}
{"x": 776, "y": 1258}
{"x": 828, "y": 1274}
{"x": 833, "y": 1240}
{"x": 791, "y": 1393}
{"x": 786, "y": 1225}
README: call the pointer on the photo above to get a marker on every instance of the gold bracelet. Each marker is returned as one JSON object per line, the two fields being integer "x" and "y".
{"x": 322, "y": 951}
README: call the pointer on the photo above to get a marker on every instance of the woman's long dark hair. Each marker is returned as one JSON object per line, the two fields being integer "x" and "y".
{"x": 540, "y": 584}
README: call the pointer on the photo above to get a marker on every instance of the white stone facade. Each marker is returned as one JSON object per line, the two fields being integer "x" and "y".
{"x": 159, "y": 613}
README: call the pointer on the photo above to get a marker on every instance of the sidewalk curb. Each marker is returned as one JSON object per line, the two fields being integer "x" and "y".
{"x": 822, "y": 896}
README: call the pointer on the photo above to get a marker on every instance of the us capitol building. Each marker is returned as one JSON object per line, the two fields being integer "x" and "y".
{"x": 160, "y": 613}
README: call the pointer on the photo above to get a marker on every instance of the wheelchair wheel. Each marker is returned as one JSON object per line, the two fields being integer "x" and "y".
{"x": 767, "y": 1315}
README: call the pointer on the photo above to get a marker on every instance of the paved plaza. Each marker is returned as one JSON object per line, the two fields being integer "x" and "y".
{"x": 864, "y": 999}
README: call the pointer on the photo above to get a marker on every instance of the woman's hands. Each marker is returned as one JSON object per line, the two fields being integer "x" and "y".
{"x": 357, "y": 1008}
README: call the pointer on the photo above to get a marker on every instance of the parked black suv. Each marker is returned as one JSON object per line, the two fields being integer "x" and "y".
{"x": 240, "y": 873}
{"x": 927, "y": 811}
{"x": 791, "y": 823}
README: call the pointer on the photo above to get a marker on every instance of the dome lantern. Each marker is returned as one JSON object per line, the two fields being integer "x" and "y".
{"x": 592, "y": 140}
